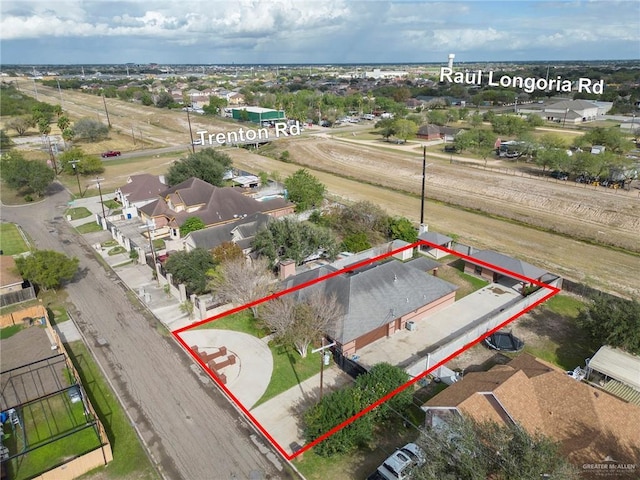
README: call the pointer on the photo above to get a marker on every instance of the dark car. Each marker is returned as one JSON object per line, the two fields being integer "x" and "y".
{"x": 559, "y": 175}
{"x": 504, "y": 342}
{"x": 111, "y": 153}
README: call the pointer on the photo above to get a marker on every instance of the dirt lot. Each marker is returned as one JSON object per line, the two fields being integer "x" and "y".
{"x": 390, "y": 175}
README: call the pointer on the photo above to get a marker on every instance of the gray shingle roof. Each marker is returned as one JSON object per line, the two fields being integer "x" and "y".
{"x": 213, "y": 236}
{"x": 508, "y": 263}
{"x": 435, "y": 238}
{"x": 375, "y": 294}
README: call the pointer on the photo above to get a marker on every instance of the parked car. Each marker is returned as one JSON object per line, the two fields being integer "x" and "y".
{"x": 559, "y": 175}
{"x": 111, "y": 153}
{"x": 398, "y": 466}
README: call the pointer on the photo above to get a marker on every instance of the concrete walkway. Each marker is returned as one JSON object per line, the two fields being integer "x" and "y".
{"x": 281, "y": 416}
{"x": 249, "y": 377}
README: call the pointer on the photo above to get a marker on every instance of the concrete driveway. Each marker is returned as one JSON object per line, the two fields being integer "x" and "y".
{"x": 249, "y": 377}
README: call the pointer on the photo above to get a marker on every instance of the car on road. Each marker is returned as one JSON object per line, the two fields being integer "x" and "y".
{"x": 111, "y": 153}
{"x": 399, "y": 465}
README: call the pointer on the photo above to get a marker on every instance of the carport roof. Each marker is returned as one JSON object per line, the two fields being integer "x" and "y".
{"x": 508, "y": 263}
{"x": 617, "y": 364}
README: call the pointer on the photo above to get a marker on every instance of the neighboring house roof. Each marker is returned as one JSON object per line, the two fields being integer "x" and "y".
{"x": 508, "y": 263}
{"x": 374, "y": 295}
{"x": 578, "y": 105}
{"x": 241, "y": 232}
{"x": 142, "y": 187}
{"x": 214, "y": 205}
{"x": 435, "y": 238}
{"x": 618, "y": 365}
{"x": 423, "y": 264}
{"x": 9, "y": 275}
{"x": 588, "y": 423}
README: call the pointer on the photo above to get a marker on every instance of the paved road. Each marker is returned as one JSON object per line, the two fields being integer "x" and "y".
{"x": 190, "y": 429}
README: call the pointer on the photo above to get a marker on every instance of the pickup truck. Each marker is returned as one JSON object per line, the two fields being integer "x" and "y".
{"x": 398, "y": 466}
{"x": 110, "y": 153}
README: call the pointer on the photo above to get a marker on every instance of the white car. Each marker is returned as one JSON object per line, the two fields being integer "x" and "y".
{"x": 398, "y": 466}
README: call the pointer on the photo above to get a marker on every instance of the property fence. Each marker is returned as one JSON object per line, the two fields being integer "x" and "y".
{"x": 19, "y": 317}
{"x": 460, "y": 339}
{"x": 18, "y": 296}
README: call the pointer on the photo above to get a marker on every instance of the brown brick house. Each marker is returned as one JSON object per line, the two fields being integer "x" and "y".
{"x": 213, "y": 205}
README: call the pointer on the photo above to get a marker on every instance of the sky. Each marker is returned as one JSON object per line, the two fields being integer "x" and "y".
{"x": 315, "y": 31}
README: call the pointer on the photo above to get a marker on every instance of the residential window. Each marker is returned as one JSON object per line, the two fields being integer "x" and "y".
{"x": 478, "y": 270}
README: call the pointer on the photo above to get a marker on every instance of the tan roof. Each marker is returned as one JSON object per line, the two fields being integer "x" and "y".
{"x": 589, "y": 423}
{"x": 8, "y": 272}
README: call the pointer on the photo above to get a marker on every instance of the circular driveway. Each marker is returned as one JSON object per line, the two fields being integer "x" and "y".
{"x": 249, "y": 377}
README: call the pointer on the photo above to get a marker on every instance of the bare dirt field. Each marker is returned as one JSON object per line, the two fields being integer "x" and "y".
{"x": 390, "y": 175}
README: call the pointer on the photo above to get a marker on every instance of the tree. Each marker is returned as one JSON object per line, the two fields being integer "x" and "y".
{"x": 301, "y": 321}
{"x": 356, "y": 242}
{"x": 5, "y": 141}
{"x": 191, "y": 268}
{"x": 401, "y": 228}
{"x": 612, "y": 138}
{"x": 405, "y": 129}
{"x": 293, "y": 239}
{"x": 32, "y": 175}
{"x": 464, "y": 448}
{"x": 90, "y": 130}
{"x": 304, "y": 190}
{"x": 226, "y": 252}
{"x": 242, "y": 281}
{"x": 208, "y": 164}
{"x": 85, "y": 164}
{"x": 386, "y": 127}
{"x": 187, "y": 308}
{"x": 509, "y": 125}
{"x": 191, "y": 224}
{"x": 47, "y": 268}
{"x": 377, "y": 383}
{"x": 214, "y": 106}
{"x": 360, "y": 217}
{"x": 63, "y": 122}
{"x": 20, "y": 124}
{"x": 164, "y": 100}
{"x": 613, "y": 321}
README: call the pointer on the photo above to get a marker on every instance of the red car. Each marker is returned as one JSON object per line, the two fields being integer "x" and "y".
{"x": 111, "y": 153}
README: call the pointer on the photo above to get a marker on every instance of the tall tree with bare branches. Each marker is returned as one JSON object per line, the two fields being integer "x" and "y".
{"x": 301, "y": 322}
{"x": 241, "y": 281}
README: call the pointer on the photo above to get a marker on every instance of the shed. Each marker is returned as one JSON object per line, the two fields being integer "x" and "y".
{"x": 617, "y": 364}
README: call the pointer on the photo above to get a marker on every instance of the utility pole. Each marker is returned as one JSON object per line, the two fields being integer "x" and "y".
{"x": 325, "y": 358}
{"x": 106, "y": 111}
{"x": 101, "y": 202}
{"x": 424, "y": 174}
{"x": 74, "y": 164}
{"x": 193, "y": 147}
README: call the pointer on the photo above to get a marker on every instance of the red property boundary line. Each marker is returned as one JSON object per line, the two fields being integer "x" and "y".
{"x": 176, "y": 333}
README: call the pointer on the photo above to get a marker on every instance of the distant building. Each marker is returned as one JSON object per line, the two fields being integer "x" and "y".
{"x": 259, "y": 114}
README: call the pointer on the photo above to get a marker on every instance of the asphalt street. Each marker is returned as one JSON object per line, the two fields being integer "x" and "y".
{"x": 190, "y": 429}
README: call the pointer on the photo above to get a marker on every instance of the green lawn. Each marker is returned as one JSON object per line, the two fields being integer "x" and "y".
{"x": 77, "y": 213}
{"x": 116, "y": 250}
{"x": 7, "y": 332}
{"x": 44, "y": 420}
{"x": 11, "y": 242}
{"x": 129, "y": 459}
{"x": 111, "y": 204}
{"x": 89, "y": 227}
{"x": 289, "y": 368}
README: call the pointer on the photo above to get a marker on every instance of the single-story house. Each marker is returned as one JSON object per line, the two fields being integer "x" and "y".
{"x": 378, "y": 299}
{"x": 482, "y": 264}
{"x": 213, "y": 205}
{"x": 434, "y": 238}
{"x": 241, "y": 232}
{"x": 589, "y": 424}
{"x": 437, "y": 132}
